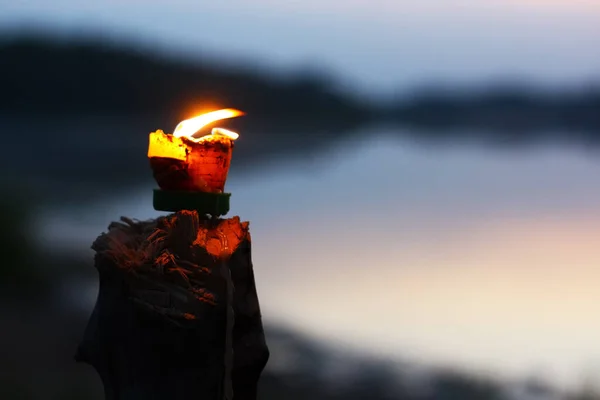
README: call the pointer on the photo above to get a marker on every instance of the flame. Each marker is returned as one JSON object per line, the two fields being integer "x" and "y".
{"x": 225, "y": 132}
{"x": 190, "y": 127}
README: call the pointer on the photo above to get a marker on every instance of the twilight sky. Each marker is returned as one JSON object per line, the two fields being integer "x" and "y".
{"x": 375, "y": 44}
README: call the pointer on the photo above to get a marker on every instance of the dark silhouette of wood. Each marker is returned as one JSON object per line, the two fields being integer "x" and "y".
{"x": 172, "y": 319}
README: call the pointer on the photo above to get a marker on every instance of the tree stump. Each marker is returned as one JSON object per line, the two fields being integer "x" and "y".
{"x": 177, "y": 314}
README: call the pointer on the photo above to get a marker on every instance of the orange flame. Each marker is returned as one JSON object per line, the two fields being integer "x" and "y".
{"x": 225, "y": 132}
{"x": 190, "y": 127}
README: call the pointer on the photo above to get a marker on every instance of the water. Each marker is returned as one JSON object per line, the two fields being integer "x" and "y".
{"x": 459, "y": 255}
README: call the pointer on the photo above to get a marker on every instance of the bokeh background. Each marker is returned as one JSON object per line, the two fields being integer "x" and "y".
{"x": 421, "y": 177}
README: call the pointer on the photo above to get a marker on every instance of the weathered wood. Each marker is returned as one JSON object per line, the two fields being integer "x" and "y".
{"x": 167, "y": 325}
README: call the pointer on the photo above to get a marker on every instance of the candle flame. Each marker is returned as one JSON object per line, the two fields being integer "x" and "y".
{"x": 225, "y": 132}
{"x": 190, "y": 127}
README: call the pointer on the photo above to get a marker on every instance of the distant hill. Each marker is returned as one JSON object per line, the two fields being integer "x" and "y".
{"x": 41, "y": 75}
{"x": 89, "y": 107}
{"x": 504, "y": 111}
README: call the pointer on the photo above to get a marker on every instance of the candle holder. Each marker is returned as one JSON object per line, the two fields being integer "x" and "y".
{"x": 177, "y": 315}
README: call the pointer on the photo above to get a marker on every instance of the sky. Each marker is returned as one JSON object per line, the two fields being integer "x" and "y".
{"x": 377, "y": 46}
{"x": 482, "y": 259}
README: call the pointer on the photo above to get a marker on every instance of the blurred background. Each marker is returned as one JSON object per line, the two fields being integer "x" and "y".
{"x": 421, "y": 177}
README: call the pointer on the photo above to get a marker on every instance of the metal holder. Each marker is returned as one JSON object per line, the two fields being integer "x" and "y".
{"x": 215, "y": 204}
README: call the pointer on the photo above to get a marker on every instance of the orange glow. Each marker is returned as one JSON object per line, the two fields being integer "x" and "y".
{"x": 167, "y": 146}
{"x": 223, "y": 240}
{"x": 191, "y": 127}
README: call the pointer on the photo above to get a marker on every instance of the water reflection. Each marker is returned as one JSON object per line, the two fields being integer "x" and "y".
{"x": 482, "y": 258}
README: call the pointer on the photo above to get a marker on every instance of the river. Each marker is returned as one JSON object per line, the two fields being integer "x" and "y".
{"x": 461, "y": 255}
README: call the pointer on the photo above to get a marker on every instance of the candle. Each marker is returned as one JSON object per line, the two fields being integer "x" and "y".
{"x": 183, "y": 161}
{"x": 191, "y": 167}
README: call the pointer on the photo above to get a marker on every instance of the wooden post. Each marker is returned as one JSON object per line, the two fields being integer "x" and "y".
{"x": 177, "y": 314}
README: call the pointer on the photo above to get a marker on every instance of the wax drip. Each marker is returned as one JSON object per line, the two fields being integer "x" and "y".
{"x": 226, "y": 273}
